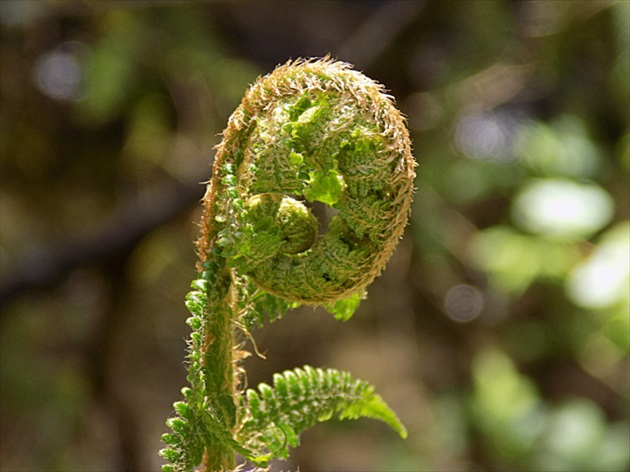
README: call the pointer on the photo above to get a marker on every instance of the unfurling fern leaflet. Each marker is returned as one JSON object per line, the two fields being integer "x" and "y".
{"x": 274, "y": 417}
{"x": 312, "y": 136}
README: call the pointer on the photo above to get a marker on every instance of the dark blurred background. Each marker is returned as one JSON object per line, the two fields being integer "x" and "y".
{"x": 499, "y": 331}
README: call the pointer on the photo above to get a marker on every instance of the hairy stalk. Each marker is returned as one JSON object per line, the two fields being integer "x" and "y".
{"x": 310, "y": 133}
{"x": 218, "y": 365}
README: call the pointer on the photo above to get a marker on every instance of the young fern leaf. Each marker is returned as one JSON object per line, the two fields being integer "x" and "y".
{"x": 275, "y": 416}
{"x": 311, "y": 132}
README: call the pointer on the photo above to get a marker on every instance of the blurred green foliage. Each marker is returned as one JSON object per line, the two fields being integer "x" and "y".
{"x": 519, "y": 113}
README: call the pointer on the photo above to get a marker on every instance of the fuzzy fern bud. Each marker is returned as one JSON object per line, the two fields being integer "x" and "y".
{"x": 311, "y": 131}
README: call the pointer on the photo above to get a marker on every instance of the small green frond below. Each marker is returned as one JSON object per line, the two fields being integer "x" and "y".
{"x": 344, "y": 309}
{"x": 275, "y": 416}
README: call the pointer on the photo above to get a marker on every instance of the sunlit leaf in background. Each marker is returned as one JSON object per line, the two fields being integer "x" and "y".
{"x": 514, "y": 260}
{"x": 501, "y": 391}
{"x": 506, "y": 404}
{"x": 602, "y": 284}
{"x": 562, "y": 208}
{"x": 576, "y": 439}
{"x": 560, "y": 149}
{"x": 604, "y": 278}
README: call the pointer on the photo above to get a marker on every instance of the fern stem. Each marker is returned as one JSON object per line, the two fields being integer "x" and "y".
{"x": 219, "y": 372}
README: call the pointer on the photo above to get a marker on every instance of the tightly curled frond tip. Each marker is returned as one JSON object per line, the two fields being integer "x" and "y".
{"x": 314, "y": 130}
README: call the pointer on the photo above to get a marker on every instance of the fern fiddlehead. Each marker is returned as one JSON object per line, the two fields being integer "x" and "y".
{"x": 310, "y": 133}
{"x": 322, "y": 132}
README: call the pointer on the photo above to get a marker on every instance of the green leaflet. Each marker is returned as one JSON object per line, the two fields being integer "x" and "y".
{"x": 344, "y": 309}
{"x": 194, "y": 429}
{"x": 325, "y": 187}
{"x": 301, "y": 398}
{"x": 260, "y": 307}
{"x": 263, "y": 306}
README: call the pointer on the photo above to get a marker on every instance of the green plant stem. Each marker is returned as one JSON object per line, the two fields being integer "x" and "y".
{"x": 218, "y": 366}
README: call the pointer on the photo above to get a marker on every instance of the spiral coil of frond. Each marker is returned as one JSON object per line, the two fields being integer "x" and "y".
{"x": 311, "y": 131}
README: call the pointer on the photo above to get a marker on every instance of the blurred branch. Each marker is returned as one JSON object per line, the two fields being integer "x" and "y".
{"x": 42, "y": 268}
{"x": 379, "y": 31}
{"x": 493, "y": 86}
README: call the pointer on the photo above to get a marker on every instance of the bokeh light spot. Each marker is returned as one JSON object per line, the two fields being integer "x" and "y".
{"x": 59, "y": 75}
{"x": 463, "y": 303}
{"x": 487, "y": 136}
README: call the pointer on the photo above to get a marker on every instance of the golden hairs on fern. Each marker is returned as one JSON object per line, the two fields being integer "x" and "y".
{"x": 311, "y": 131}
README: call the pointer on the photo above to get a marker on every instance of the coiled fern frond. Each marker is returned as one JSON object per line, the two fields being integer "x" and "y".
{"x": 312, "y": 136}
{"x": 311, "y": 131}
